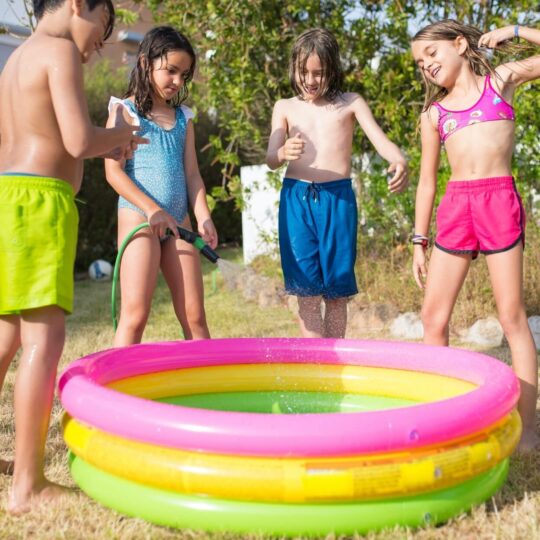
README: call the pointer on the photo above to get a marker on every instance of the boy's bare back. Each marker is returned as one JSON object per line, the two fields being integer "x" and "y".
{"x": 31, "y": 139}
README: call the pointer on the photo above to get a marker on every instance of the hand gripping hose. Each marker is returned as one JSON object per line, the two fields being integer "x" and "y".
{"x": 185, "y": 234}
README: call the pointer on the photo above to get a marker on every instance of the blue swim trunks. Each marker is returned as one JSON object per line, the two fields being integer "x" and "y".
{"x": 317, "y": 237}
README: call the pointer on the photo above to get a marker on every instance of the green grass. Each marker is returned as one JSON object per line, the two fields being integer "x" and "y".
{"x": 511, "y": 514}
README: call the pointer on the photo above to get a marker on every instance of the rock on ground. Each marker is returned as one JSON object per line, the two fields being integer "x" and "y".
{"x": 407, "y": 326}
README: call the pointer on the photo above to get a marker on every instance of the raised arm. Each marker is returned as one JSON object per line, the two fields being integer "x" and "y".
{"x": 80, "y": 138}
{"x": 426, "y": 190}
{"x": 382, "y": 144}
{"x": 197, "y": 190}
{"x": 520, "y": 71}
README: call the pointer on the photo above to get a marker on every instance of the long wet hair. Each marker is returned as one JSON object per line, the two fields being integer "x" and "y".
{"x": 322, "y": 43}
{"x": 156, "y": 44}
{"x": 449, "y": 30}
{"x": 48, "y": 6}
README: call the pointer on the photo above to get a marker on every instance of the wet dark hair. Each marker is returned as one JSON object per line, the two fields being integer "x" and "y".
{"x": 155, "y": 45}
{"x": 48, "y": 6}
{"x": 322, "y": 43}
{"x": 449, "y": 30}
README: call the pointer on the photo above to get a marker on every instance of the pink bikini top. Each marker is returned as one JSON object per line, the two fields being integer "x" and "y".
{"x": 490, "y": 106}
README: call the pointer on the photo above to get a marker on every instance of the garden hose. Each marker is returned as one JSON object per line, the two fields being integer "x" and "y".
{"x": 185, "y": 234}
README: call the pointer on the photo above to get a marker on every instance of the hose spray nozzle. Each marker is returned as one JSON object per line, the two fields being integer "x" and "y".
{"x": 193, "y": 238}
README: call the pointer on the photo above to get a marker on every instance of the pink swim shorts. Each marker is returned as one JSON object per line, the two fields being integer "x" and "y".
{"x": 484, "y": 215}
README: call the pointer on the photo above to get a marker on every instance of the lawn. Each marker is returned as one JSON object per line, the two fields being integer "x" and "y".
{"x": 512, "y": 513}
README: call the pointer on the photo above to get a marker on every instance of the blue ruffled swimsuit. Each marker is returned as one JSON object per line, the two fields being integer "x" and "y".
{"x": 157, "y": 168}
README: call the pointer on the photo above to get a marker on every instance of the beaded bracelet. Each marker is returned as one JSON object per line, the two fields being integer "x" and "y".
{"x": 420, "y": 240}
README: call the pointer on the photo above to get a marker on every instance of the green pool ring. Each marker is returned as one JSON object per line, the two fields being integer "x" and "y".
{"x": 287, "y": 402}
{"x": 205, "y": 513}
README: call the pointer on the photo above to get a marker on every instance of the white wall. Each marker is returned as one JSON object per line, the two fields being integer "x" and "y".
{"x": 260, "y": 215}
{"x": 13, "y": 18}
{"x": 7, "y": 45}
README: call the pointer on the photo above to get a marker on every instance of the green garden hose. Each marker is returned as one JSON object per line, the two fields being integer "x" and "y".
{"x": 185, "y": 234}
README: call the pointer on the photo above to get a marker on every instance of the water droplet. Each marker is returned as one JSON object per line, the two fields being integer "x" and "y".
{"x": 414, "y": 435}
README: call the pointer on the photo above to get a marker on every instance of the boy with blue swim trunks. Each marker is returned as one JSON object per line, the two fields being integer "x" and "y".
{"x": 45, "y": 134}
{"x": 313, "y": 132}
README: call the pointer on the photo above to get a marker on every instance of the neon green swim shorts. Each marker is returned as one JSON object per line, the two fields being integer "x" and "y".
{"x": 38, "y": 241}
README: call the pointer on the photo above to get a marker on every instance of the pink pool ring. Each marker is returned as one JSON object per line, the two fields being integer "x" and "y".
{"x": 84, "y": 395}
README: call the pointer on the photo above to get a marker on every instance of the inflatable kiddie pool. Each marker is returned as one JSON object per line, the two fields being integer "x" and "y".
{"x": 289, "y": 436}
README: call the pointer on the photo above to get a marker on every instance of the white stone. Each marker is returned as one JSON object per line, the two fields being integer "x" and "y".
{"x": 486, "y": 332}
{"x": 407, "y": 326}
{"x": 374, "y": 318}
{"x": 534, "y": 325}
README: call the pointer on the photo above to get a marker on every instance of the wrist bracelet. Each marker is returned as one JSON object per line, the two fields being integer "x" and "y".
{"x": 516, "y": 31}
{"x": 420, "y": 240}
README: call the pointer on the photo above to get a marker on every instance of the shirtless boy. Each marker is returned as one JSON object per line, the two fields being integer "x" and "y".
{"x": 313, "y": 132}
{"x": 45, "y": 133}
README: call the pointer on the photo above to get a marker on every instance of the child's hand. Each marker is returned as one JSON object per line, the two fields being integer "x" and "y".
{"x": 400, "y": 179}
{"x": 292, "y": 149}
{"x": 133, "y": 145}
{"x": 419, "y": 265}
{"x": 124, "y": 123}
{"x": 117, "y": 154}
{"x": 208, "y": 233}
{"x": 160, "y": 221}
{"x": 493, "y": 38}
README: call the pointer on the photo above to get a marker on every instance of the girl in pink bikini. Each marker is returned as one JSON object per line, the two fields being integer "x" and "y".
{"x": 468, "y": 108}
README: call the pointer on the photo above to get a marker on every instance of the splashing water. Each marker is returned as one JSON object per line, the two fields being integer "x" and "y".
{"x": 231, "y": 272}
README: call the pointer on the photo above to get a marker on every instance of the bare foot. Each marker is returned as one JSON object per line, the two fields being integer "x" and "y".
{"x": 43, "y": 494}
{"x": 529, "y": 442}
{"x": 6, "y": 467}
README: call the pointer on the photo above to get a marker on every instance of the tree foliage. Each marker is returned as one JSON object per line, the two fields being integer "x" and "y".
{"x": 244, "y": 46}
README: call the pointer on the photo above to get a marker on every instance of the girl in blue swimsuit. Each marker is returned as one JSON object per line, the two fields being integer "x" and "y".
{"x": 156, "y": 186}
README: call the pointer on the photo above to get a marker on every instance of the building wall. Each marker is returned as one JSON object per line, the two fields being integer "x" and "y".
{"x": 259, "y": 217}
{"x": 7, "y": 46}
{"x": 120, "y": 48}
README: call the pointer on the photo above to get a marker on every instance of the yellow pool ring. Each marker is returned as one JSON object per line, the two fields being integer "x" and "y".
{"x": 295, "y": 480}
{"x": 397, "y": 383}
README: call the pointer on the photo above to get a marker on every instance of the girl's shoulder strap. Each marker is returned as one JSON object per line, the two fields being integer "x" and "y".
{"x": 130, "y": 107}
{"x": 188, "y": 113}
{"x": 439, "y": 110}
{"x": 489, "y": 84}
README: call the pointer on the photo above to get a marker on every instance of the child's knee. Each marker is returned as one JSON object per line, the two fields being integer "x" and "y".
{"x": 8, "y": 350}
{"x": 309, "y": 304}
{"x": 134, "y": 317}
{"x": 335, "y": 304}
{"x": 433, "y": 320}
{"x": 513, "y": 322}
{"x": 195, "y": 316}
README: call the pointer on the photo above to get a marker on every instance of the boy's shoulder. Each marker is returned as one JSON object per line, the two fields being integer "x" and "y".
{"x": 284, "y": 103}
{"x": 61, "y": 54}
{"x": 54, "y": 45}
{"x": 349, "y": 98}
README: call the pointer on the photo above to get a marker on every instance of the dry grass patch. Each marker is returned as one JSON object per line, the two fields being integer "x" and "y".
{"x": 512, "y": 514}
